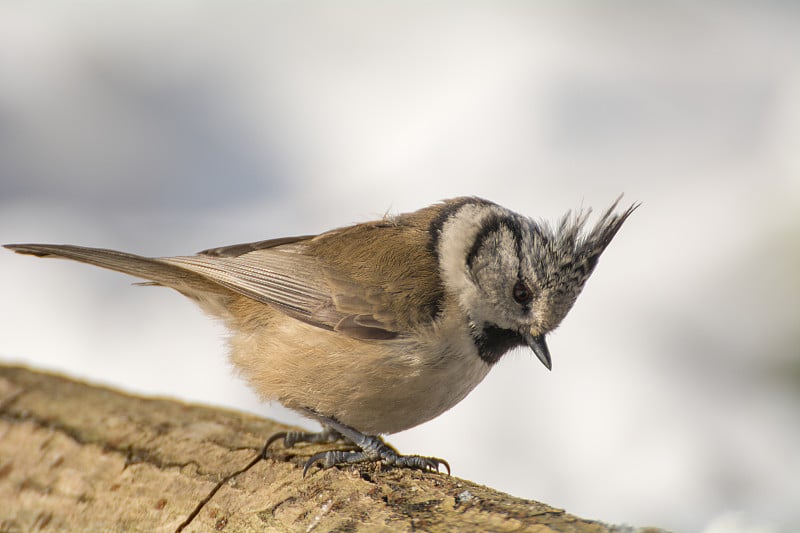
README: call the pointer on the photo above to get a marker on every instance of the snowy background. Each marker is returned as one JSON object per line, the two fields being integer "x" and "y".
{"x": 164, "y": 129}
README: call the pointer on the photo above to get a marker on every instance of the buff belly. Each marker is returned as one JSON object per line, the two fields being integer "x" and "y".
{"x": 375, "y": 387}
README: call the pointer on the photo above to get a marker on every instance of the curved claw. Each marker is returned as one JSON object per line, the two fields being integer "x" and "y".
{"x": 426, "y": 464}
{"x": 436, "y": 463}
{"x": 317, "y": 457}
{"x": 276, "y": 436}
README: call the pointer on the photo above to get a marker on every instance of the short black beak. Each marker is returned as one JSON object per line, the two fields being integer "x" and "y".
{"x": 539, "y": 347}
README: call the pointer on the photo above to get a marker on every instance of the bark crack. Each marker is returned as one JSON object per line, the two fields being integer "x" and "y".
{"x": 202, "y": 503}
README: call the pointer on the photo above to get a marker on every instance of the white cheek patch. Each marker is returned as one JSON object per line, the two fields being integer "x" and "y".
{"x": 457, "y": 237}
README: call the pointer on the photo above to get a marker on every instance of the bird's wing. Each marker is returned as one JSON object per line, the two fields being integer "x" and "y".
{"x": 284, "y": 275}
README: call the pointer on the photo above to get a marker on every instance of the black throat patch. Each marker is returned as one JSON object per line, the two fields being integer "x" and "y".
{"x": 492, "y": 342}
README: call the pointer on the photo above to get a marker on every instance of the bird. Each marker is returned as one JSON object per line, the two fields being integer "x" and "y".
{"x": 377, "y": 327}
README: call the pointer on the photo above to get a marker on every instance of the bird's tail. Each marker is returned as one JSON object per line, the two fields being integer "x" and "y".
{"x": 154, "y": 270}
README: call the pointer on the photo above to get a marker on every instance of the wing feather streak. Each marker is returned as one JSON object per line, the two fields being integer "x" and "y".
{"x": 290, "y": 280}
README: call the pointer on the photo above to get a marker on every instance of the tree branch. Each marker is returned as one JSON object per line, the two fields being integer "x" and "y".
{"x": 79, "y": 457}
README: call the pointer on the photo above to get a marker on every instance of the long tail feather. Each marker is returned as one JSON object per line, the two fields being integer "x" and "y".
{"x": 189, "y": 283}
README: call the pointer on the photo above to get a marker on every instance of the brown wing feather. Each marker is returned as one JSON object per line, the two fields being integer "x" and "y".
{"x": 235, "y": 250}
{"x": 384, "y": 270}
{"x": 370, "y": 281}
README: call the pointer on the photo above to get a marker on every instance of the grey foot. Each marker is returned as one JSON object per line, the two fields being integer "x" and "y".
{"x": 376, "y": 450}
{"x": 371, "y": 449}
{"x": 290, "y": 438}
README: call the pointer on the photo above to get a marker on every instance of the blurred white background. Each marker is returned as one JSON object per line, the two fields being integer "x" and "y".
{"x": 164, "y": 129}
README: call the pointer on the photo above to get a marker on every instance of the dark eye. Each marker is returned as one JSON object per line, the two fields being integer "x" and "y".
{"x": 522, "y": 294}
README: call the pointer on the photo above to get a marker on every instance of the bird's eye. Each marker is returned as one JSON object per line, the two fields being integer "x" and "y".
{"x": 522, "y": 294}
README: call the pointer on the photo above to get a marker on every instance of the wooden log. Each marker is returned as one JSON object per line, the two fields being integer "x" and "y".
{"x": 78, "y": 457}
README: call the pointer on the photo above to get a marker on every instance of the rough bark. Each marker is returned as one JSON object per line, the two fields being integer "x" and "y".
{"x": 78, "y": 457}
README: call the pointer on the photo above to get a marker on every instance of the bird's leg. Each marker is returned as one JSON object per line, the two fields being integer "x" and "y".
{"x": 371, "y": 449}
